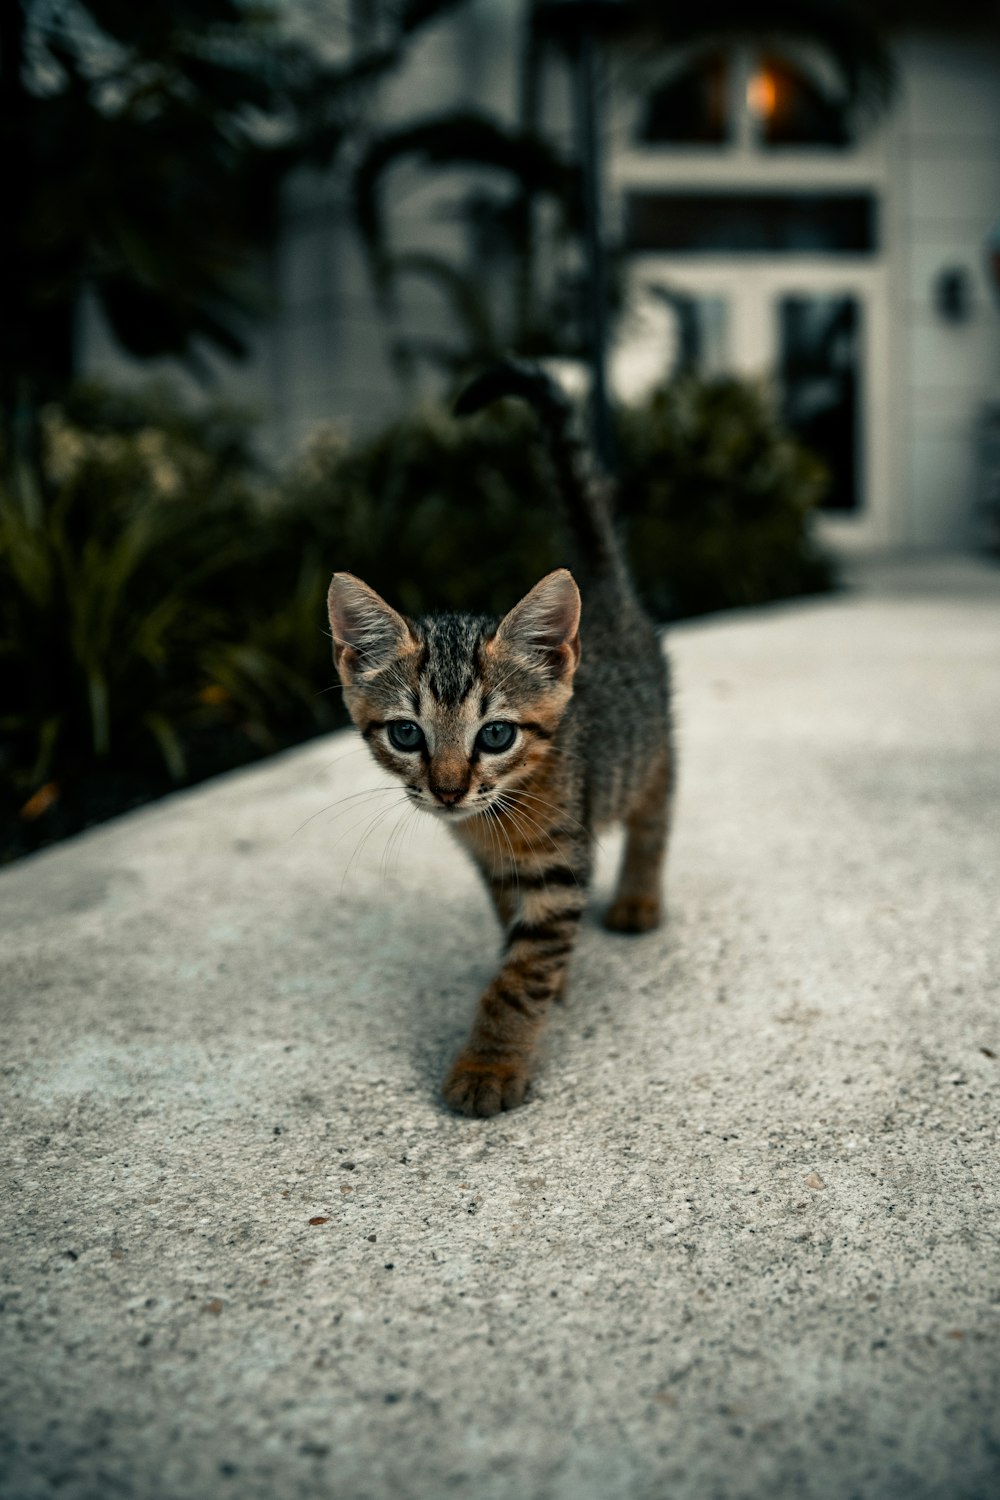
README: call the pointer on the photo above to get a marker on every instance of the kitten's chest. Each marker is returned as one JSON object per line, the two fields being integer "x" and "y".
{"x": 526, "y": 822}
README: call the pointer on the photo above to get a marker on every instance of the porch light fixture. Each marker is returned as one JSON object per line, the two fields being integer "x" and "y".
{"x": 762, "y": 94}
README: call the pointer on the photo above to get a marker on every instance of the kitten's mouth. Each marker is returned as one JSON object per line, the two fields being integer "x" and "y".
{"x": 454, "y": 811}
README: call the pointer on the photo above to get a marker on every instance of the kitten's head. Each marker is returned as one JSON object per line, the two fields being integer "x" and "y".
{"x": 457, "y": 706}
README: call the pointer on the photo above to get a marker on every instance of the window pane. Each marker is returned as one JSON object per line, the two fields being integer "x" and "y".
{"x": 698, "y": 332}
{"x": 668, "y": 332}
{"x": 819, "y": 370}
{"x": 752, "y": 223}
{"x": 691, "y": 108}
{"x": 792, "y": 108}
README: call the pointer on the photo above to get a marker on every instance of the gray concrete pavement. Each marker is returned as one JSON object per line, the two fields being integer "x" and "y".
{"x": 743, "y": 1242}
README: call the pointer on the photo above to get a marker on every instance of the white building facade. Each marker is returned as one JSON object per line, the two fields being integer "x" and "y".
{"x": 862, "y": 285}
{"x": 848, "y": 267}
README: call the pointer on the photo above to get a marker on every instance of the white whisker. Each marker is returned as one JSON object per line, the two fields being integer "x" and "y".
{"x": 369, "y": 830}
{"x": 372, "y": 791}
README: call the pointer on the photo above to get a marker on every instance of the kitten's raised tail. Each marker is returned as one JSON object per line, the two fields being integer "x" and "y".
{"x": 585, "y": 501}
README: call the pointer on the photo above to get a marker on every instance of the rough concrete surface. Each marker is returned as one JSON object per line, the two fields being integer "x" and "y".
{"x": 742, "y": 1242}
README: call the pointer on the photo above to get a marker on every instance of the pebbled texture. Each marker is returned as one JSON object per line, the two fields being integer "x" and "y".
{"x": 740, "y": 1243}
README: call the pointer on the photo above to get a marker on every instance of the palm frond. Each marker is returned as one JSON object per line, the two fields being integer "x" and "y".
{"x": 460, "y": 138}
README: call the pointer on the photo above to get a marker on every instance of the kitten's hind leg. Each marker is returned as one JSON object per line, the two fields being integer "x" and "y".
{"x": 638, "y": 901}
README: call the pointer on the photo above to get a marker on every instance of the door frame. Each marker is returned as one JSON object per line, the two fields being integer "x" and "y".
{"x": 751, "y": 287}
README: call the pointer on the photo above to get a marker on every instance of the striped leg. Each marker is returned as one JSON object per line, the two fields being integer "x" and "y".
{"x": 637, "y": 904}
{"x": 493, "y": 1070}
{"x": 503, "y": 894}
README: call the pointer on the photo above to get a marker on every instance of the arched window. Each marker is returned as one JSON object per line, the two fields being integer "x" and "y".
{"x": 764, "y": 102}
{"x": 691, "y": 108}
{"x": 792, "y": 109}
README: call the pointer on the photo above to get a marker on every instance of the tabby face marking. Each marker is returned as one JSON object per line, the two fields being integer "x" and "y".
{"x": 423, "y": 692}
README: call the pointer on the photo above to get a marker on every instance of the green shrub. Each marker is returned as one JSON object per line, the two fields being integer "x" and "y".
{"x": 432, "y": 512}
{"x": 715, "y": 505}
{"x": 162, "y": 599}
{"x": 133, "y": 628}
{"x": 716, "y": 500}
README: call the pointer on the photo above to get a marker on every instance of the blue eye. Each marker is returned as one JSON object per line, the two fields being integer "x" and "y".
{"x": 496, "y": 737}
{"x": 405, "y": 735}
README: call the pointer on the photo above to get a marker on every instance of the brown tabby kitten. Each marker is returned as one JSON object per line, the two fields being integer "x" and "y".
{"x": 525, "y": 735}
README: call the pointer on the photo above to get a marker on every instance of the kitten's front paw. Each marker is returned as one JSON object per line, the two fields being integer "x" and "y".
{"x": 633, "y": 914}
{"x": 483, "y": 1085}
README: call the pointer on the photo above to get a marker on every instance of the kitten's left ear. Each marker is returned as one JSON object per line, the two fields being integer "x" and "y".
{"x": 367, "y": 632}
{"x": 545, "y": 625}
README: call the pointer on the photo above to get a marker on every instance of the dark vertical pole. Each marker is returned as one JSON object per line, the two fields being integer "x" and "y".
{"x": 529, "y": 101}
{"x": 587, "y": 66}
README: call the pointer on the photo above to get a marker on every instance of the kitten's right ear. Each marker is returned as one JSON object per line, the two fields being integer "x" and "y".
{"x": 545, "y": 625}
{"x": 367, "y": 632}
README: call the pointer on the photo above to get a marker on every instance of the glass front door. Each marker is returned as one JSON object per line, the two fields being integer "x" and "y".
{"x": 816, "y": 333}
{"x": 819, "y": 377}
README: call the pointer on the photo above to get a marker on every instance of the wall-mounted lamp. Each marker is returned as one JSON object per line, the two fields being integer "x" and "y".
{"x": 953, "y": 294}
{"x": 993, "y": 256}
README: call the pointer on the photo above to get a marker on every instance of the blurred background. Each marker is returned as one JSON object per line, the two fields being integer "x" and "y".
{"x": 251, "y": 251}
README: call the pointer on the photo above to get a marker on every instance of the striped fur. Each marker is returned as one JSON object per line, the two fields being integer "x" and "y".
{"x": 584, "y": 685}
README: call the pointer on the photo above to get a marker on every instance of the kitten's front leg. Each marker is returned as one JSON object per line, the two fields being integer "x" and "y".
{"x": 493, "y": 1070}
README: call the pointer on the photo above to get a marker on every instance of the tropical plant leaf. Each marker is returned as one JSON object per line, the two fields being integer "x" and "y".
{"x": 459, "y": 138}
{"x": 142, "y": 149}
{"x": 169, "y": 741}
{"x": 465, "y": 295}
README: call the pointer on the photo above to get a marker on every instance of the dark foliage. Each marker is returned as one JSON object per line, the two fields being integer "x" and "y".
{"x": 162, "y": 600}
{"x": 133, "y": 562}
{"x": 717, "y": 500}
{"x": 141, "y": 148}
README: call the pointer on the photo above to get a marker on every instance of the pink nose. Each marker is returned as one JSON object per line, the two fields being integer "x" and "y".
{"x": 449, "y": 794}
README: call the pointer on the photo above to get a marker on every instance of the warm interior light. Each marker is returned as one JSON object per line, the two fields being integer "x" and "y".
{"x": 762, "y": 95}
